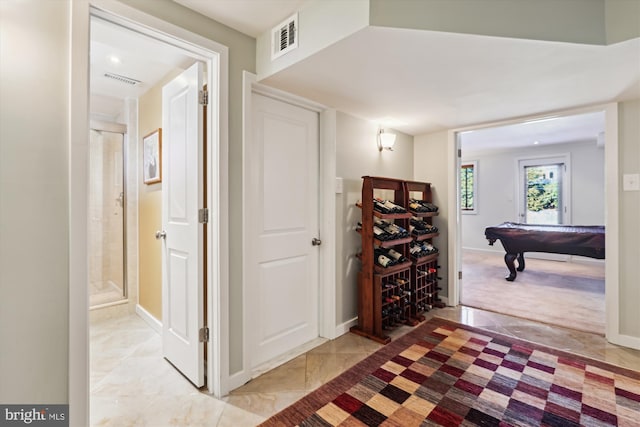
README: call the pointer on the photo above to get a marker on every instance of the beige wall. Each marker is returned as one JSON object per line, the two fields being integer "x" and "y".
{"x": 430, "y": 164}
{"x": 34, "y": 201}
{"x": 629, "y": 213}
{"x": 357, "y": 155}
{"x": 150, "y": 207}
{"x": 572, "y": 21}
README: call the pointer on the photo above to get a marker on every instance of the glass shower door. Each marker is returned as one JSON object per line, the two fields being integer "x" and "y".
{"x": 106, "y": 218}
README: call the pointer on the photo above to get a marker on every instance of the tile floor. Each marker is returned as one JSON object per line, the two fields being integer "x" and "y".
{"x": 132, "y": 385}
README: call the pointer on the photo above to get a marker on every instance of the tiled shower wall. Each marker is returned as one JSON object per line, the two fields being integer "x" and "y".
{"x": 106, "y": 216}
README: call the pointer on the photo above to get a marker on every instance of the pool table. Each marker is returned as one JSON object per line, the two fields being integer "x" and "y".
{"x": 583, "y": 240}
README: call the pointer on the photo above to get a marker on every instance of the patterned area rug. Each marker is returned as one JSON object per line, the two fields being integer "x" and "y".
{"x": 446, "y": 374}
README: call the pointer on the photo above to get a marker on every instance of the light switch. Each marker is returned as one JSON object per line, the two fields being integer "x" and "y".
{"x": 339, "y": 186}
{"x": 631, "y": 182}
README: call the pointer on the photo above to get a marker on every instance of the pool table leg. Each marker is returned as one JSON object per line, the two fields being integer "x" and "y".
{"x": 509, "y": 260}
{"x": 520, "y": 261}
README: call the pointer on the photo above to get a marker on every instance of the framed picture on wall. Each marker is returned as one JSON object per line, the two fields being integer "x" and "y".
{"x": 152, "y": 157}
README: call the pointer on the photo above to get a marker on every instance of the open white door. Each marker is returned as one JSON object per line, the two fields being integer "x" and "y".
{"x": 182, "y": 196}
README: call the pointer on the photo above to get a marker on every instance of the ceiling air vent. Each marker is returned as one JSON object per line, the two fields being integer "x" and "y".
{"x": 122, "y": 79}
{"x": 284, "y": 37}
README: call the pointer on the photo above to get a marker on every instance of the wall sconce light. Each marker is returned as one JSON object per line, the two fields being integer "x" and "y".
{"x": 386, "y": 140}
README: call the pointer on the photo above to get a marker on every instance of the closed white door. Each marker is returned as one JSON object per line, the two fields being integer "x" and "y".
{"x": 182, "y": 196}
{"x": 283, "y": 261}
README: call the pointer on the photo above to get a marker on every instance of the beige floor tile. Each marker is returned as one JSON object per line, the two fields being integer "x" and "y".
{"x": 132, "y": 385}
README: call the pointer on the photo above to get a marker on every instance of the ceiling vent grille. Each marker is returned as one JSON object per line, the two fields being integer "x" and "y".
{"x": 284, "y": 37}
{"x": 122, "y": 79}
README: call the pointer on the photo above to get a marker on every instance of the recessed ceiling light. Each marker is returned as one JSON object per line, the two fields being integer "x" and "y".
{"x": 536, "y": 142}
{"x": 114, "y": 59}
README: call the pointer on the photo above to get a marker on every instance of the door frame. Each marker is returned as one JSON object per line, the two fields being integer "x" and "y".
{"x": 216, "y": 57}
{"x": 327, "y": 322}
{"x": 612, "y": 189}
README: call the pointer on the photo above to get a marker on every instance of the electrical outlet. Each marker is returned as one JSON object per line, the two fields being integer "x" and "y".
{"x": 631, "y": 182}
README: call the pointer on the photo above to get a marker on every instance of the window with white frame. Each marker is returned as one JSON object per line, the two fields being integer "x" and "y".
{"x": 469, "y": 187}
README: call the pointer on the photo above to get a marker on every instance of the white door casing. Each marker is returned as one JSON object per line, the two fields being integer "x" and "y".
{"x": 182, "y": 250}
{"x": 283, "y": 285}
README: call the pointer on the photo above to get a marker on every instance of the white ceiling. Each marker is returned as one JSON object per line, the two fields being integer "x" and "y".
{"x": 141, "y": 58}
{"x": 434, "y": 80}
{"x": 583, "y": 128}
{"x": 426, "y": 81}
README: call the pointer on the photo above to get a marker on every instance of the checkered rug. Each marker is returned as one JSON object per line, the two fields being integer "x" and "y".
{"x": 446, "y": 374}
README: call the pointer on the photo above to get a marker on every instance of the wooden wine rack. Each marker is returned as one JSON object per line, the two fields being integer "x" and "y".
{"x": 424, "y": 274}
{"x": 393, "y": 295}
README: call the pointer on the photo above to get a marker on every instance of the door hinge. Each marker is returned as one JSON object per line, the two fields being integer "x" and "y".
{"x": 460, "y": 152}
{"x": 203, "y": 334}
{"x": 203, "y": 216}
{"x": 203, "y": 97}
{"x": 459, "y": 275}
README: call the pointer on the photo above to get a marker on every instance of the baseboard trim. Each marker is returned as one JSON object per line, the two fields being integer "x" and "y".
{"x": 484, "y": 251}
{"x": 238, "y": 380}
{"x": 584, "y": 260}
{"x": 155, "y": 324}
{"x": 343, "y": 328}
{"x": 624, "y": 340}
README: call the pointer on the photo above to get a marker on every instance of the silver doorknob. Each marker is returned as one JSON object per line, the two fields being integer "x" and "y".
{"x": 316, "y": 241}
{"x": 161, "y": 234}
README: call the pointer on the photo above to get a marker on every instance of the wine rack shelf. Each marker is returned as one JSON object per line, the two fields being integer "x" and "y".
{"x": 399, "y": 293}
{"x": 389, "y": 243}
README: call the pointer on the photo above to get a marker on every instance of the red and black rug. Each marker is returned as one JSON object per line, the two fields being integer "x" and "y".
{"x": 446, "y": 374}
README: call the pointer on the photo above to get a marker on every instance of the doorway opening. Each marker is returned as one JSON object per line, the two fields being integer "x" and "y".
{"x": 107, "y": 215}
{"x": 542, "y": 171}
{"x": 130, "y": 64}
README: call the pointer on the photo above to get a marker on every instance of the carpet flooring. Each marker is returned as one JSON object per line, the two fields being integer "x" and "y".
{"x": 446, "y": 374}
{"x": 568, "y": 294}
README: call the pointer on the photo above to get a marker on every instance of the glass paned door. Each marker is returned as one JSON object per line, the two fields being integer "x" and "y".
{"x": 106, "y": 222}
{"x": 543, "y": 193}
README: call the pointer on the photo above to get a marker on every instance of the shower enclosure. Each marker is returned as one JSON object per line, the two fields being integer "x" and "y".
{"x": 107, "y": 230}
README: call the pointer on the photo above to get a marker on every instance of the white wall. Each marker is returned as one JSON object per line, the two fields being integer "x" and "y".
{"x": 357, "y": 155}
{"x": 430, "y": 164}
{"x": 320, "y": 24}
{"x": 34, "y": 229}
{"x": 498, "y": 186}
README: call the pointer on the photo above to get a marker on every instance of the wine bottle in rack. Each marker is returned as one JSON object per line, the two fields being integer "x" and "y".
{"x": 383, "y": 261}
{"x": 380, "y": 207}
{"x": 416, "y": 206}
{"x": 390, "y": 206}
{"x": 397, "y": 256}
{"x": 422, "y": 206}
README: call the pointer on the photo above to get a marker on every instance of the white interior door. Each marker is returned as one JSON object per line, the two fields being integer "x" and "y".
{"x": 283, "y": 278}
{"x": 182, "y": 196}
